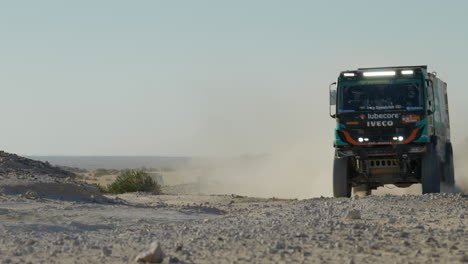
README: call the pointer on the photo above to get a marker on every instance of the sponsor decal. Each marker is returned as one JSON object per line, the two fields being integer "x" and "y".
{"x": 410, "y": 119}
{"x": 383, "y": 116}
{"x": 352, "y": 123}
{"x": 380, "y": 123}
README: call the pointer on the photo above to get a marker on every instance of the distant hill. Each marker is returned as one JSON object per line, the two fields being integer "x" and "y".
{"x": 116, "y": 162}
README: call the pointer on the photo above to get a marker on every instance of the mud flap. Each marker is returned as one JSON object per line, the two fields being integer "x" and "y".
{"x": 430, "y": 171}
{"x": 448, "y": 170}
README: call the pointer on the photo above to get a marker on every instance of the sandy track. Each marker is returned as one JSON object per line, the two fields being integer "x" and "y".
{"x": 233, "y": 229}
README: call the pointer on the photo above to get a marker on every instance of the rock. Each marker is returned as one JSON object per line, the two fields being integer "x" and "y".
{"x": 22, "y": 168}
{"x": 279, "y": 245}
{"x": 373, "y": 244}
{"x": 272, "y": 250}
{"x": 31, "y": 195}
{"x": 392, "y": 220}
{"x": 359, "y": 249}
{"x": 153, "y": 255}
{"x": 404, "y": 234}
{"x": 179, "y": 246}
{"x": 106, "y": 252}
{"x": 353, "y": 214}
{"x": 298, "y": 234}
{"x": 174, "y": 260}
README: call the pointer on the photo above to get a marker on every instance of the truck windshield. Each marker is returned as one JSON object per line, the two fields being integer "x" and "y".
{"x": 371, "y": 97}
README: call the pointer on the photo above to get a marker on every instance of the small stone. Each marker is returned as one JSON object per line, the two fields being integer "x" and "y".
{"x": 464, "y": 258}
{"x": 404, "y": 234}
{"x": 353, "y": 214}
{"x": 431, "y": 240}
{"x": 300, "y": 235}
{"x": 392, "y": 220}
{"x": 31, "y": 195}
{"x": 279, "y": 245}
{"x": 106, "y": 252}
{"x": 179, "y": 246}
{"x": 153, "y": 255}
{"x": 174, "y": 260}
{"x": 373, "y": 244}
{"x": 359, "y": 249}
{"x": 272, "y": 250}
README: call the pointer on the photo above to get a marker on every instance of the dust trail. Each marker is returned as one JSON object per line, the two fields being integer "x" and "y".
{"x": 291, "y": 173}
{"x": 295, "y": 172}
{"x": 461, "y": 166}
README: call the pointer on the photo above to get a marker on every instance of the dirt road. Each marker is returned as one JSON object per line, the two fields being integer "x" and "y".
{"x": 234, "y": 229}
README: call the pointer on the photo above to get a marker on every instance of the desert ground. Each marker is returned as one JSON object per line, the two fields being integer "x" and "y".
{"x": 48, "y": 216}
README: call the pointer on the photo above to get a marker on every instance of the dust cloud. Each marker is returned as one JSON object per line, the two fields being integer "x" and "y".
{"x": 295, "y": 172}
{"x": 265, "y": 138}
{"x": 292, "y": 173}
{"x": 461, "y": 166}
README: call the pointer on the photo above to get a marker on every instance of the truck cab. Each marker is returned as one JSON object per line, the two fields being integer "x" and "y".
{"x": 392, "y": 127}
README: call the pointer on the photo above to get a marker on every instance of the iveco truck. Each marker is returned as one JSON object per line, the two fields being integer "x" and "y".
{"x": 392, "y": 127}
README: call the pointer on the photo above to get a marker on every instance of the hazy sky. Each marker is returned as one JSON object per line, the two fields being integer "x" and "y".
{"x": 205, "y": 77}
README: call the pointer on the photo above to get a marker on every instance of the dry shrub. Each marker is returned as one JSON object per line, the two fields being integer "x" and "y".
{"x": 134, "y": 181}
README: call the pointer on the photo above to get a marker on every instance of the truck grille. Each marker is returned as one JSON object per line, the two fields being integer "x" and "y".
{"x": 382, "y": 163}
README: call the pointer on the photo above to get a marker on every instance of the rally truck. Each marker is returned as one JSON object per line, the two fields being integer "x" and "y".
{"x": 392, "y": 127}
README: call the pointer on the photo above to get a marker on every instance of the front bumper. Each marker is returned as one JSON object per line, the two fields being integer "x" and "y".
{"x": 363, "y": 152}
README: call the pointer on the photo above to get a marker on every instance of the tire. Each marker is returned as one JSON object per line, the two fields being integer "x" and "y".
{"x": 448, "y": 169}
{"x": 430, "y": 172}
{"x": 341, "y": 177}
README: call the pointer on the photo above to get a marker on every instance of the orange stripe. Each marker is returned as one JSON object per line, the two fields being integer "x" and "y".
{"x": 354, "y": 142}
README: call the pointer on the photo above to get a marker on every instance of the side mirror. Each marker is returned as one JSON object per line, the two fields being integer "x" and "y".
{"x": 333, "y": 93}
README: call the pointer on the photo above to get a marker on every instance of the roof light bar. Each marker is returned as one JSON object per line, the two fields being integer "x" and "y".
{"x": 379, "y": 73}
{"x": 407, "y": 72}
{"x": 349, "y": 74}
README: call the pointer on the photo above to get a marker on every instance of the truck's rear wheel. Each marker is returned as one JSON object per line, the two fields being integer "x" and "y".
{"x": 430, "y": 171}
{"x": 341, "y": 177}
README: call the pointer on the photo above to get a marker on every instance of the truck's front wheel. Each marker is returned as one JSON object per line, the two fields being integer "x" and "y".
{"x": 430, "y": 171}
{"x": 341, "y": 177}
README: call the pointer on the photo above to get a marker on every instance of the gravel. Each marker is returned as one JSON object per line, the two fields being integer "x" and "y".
{"x": 189, "y": 231}
{"x": 79, "y": 226}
